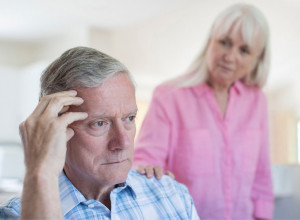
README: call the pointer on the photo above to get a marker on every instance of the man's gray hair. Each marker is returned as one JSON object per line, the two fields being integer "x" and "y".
{"x": 80, "y": 67}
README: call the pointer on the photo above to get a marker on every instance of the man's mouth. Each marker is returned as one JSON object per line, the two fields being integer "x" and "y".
{"x": 114, "y": 162}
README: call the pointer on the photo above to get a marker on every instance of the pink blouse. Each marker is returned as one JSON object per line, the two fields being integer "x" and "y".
{"x": 224, "y": 162}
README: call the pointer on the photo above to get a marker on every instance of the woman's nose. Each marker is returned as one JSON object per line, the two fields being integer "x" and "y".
{"x": 230, "y": 55}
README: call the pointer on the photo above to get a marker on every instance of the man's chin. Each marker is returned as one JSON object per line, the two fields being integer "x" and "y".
{"x": 120, "y": 175}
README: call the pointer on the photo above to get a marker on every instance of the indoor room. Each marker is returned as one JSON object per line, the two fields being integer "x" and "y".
{"x": 157, "y": 40}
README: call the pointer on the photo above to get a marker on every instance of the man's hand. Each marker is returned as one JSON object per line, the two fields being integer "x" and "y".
{"x": 156, "y": 170}
{"x": 45, "y": 132}
{"x": 44, "y": 135}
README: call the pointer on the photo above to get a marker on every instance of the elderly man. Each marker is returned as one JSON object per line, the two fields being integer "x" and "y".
{"x": 85, "y": 126}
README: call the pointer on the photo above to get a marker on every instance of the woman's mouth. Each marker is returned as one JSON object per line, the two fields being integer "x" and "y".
{"x": 225, "y": 68}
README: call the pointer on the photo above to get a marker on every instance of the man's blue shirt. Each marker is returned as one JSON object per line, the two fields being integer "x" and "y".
{"x": 138, "y": 198}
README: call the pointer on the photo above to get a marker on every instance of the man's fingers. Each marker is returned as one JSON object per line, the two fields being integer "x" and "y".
{"x": 69, "y": 117}
{"x": 158, "y": 171}
{"x": 140, "y": 169}
{"x": 21, "y": 127}
{"x": 70, "y": 133}
{"x": 23, "y": 133}
{"x": 64, "y": 110}
{"x": 56, "y": 104}
{"x": 46, "y": 99}
{"x": 149, "y": 171}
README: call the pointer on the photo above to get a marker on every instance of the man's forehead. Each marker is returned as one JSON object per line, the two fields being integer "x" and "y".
{"x": 112, "y": 85}
{"x": 115, "y": 95}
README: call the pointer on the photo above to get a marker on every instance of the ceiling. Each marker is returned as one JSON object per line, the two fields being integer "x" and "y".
{"x": 35, "y": 20}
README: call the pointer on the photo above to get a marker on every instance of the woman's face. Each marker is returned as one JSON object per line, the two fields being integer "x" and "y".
{"x": 229, "y": 58}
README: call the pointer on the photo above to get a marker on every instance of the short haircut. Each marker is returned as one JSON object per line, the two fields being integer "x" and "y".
{"x": 80, "y": 67}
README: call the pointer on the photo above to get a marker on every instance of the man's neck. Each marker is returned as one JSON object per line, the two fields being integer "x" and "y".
{"x": 92, "y": 190}
{"x": 101, "y": 194}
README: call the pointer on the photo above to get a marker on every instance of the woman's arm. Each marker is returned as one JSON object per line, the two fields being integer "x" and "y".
{"x": 262, "y": 190}
{"x": 152, "y": 145}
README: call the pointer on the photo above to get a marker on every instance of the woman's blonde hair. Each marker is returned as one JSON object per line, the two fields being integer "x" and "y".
{"x": 251, "y": 22}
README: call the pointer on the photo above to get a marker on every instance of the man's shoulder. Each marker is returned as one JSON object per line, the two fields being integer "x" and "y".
{"x": 166, "y": 196}
{"x": 166, "y": 186}
{"x": 10, "y": 209}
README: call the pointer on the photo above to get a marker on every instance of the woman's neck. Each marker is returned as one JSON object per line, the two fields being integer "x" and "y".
{"x": 221, "y": 93}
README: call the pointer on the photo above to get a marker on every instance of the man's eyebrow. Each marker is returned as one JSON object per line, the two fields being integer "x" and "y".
{"x": 105, "y": 115}
{"x": 133, "y": 111}
{"x": 99, "y": 116}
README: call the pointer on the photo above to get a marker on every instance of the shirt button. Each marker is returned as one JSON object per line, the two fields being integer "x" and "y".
{"x": 91, "y": 206}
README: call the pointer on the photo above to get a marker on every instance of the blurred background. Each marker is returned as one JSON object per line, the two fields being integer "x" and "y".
{"x": 156, "y": 40}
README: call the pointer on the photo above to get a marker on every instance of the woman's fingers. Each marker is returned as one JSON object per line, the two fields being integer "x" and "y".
{"x": 140, "y": 169}
{"x": 158, "y": 171}
{"x": 169, "y": 173}
{"x": 149, "y": 171}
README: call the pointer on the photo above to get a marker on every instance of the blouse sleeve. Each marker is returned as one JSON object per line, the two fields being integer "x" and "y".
{"x": 262, "y": 190}
{"x": 152, "y": 144}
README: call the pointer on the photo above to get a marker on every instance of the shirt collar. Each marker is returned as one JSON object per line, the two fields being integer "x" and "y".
{"x": 70, "y": 196}
{"x": 203, "y": 88}
{"x": 239, "y": 87}
{"x": 129, "y": 184}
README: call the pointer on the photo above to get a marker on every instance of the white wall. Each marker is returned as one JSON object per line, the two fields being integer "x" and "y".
{"x": 154, "y": 50}
{"x": 21, "y": 64}
{"x": 8, "y": 107}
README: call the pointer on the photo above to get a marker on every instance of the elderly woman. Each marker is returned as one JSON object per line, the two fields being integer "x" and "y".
{"x": 209, "y": 127}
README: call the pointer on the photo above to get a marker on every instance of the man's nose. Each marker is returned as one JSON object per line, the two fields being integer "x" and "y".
{"x": 119, "y": 138}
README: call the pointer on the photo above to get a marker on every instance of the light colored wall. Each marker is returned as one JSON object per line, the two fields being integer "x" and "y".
{"x": 283, "y": 132}
{"x": 8, "y": 107}
{"x": 21, "y": 64}
{"x": 155, "y": 50}
{"x": 160, "y": 49}
{"x": 17, "y": 54}
{"x": 103, "y": 40}
{"x": 284, "y": 116}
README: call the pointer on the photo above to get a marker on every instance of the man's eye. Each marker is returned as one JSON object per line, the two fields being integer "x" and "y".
{"x": 99, "y": 123}
{"x": 131, "y": 118}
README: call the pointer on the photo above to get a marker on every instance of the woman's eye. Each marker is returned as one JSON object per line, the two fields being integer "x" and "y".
{"x": 245, "y": 50}
{"x": 224, "y": 42}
